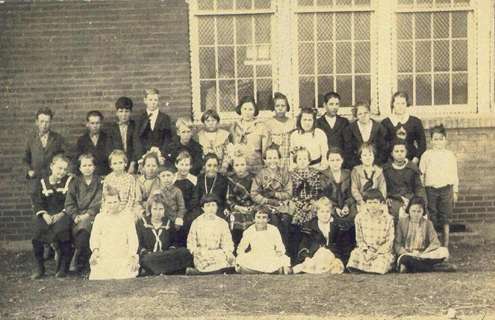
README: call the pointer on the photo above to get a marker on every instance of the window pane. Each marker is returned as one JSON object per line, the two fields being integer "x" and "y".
{"x": 442, "y": 2}
{"x": 244, "y": 28}
{"x": 262, "y": 4}
{"x": 405, "y": 2}
{"x": 404, "y": 56}
{"x": 264, "y": 93}
{"x": 362, "y": 57}
{"x": 441, "y": 25}
{"x": 207, "y": 63}
{"x": 206, "y": 30}
{"x": 325, "y": 57}
{"x": 264, "y": 71}
{"x": 245, "y": 88}
{"x": 361, "y": 26}
{"x": 324, "y": 23}
{"x": 225, "y": 4}
{"x": 226, "y": 62}
{"x": 441, "y": 55}
{"x": 442, "y": 90}
{"x": 343, "y": 2}
{"x": 325, "y": 84}
{"x": 205, "y": 5}
{"x": 459, "y": 55}
{"x": 306, "y": 92}
{"x": 306, "y": 58}
{"x": 404, "y": 26}
{"x": 362, "y": 2}
{"x": 363, "y": 88}
{"x": 461, "y": 2}
{"x": 305, "y": 27}
{"x": 243, "y": 4}
{"x": 304, "y": 3}
{"x": 343, "y": 26}
{"x": 343, "y": 61}
{"x": 208, "y": 92}
{"x": 460, "y": 88}
{"x": 423, "y": 90}
{"x": 423, "y": 56}
{"x": 423, "y": 26}
{"x": 225, "y": 29}
{"x": 344, "y": 88}
{"x": 459, "y": 25}
{"x": 324, "y": 2}
{"x": 227, "y": 95}
{"x": 425, "y": 3}
{"x": 243, "y": 70}
{"x": 262, "y": 29}
{"x": 405, "y": 83}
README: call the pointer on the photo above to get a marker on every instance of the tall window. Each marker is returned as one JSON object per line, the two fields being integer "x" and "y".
{"x": 433, "y": 52}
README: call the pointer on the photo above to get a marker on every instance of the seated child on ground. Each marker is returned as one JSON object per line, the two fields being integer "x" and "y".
{"x": 374, "y": 236}
{"x": 210, "y": 241}
{"x": 156, "y": 234}
{"x": 416, "y": 242}
{"x": 321, "y": 244}
{"x": 114, "y": 242}
{"x": 267, "y": 251}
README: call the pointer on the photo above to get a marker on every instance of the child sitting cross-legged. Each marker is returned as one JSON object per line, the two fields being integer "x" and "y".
{"x": 416, "y": 242}
{"x": 267, "y": 251}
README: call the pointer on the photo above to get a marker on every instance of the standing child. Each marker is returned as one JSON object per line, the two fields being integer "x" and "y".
{"x": 95, "y": 141}
{"x": 183, "y": 142}
{"x": 148, "y": 182}
{"x": 416, "y": 242}
{"x": 439, "y": 168}
{"x": 267, "y": 251}
{"x": 374, "y": 236}
{"x": 113, "y": 241}
{"x": 186, "y": 182}
{"x": 82, "y": 203}
{"x": 272, "y": 187}
{"x": 240, "y": 205}
{"x": 320, "y": 250}
{"x": 51, "y": 223}
{"x": 331, "y": 123}
{"x": 403, "y": 180}
{"x": 209, "y": 240}
{"x": 156, "y": 234}
{"x": 119, "y": 179}
{"x": 175, "y": 209}
{"x": 213, "y": 139}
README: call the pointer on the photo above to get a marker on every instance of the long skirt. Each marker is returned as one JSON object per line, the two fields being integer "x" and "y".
{"x": 323, "y": 261}
{"x": 380, "y": 263}
{"x": 58, "y": 231}
{"x": 211, "y": 260}
{"x": 262, "y": 262}
{"x": 424, "y": 262}
{"x": 166, "y": 262}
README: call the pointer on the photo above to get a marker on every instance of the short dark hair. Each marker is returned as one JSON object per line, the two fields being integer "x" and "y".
{"x": 399, "y": 94}
{"x": 438, "y": 129}
{"x": 207, "y": 198}
{"x": 210, "y": 113}
{"x": 46, "y": 111}
{"x": 83, "y": 156}
{"x": 336, "y": 150}
{"x": 94, "y": 113}
{"x": 416, "y": 200}
{"x": 272, "y": 147}
{"x": 247, "y": 99}
{"x": 368, "y": 146}
{"x": 398, "y": 142}
{"x": 279, "y": 96}
{"x": 124, "y": 103}
{"x": 330, "y": 95}
{"x": 373, "y": 194}
{"x": 306, "y": 110}
{"x": 358, "y": 104}
{"x": 209, "y": 156}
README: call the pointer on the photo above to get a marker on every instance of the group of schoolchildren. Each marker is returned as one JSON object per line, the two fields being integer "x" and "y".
{"x": 314, "y": 195}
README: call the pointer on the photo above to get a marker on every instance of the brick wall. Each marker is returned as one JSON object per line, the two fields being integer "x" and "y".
{"x": 76, "y": 55}
{"x": 73, "y": 56}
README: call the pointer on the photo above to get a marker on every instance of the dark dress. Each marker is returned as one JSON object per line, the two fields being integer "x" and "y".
{"x": 335, "y": 135}
{"x": 157, "y": 254}
{"x": 100, "y": 151}
{"x": 171, "y": 150}
{"x": 217, "y": 186}
{"x": 187, "y": 187}
{"x": 414, "y": 135}
{"x": 353, "y": 141}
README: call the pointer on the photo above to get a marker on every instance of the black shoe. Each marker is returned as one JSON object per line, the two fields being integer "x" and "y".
{"x": 445, "y": 267}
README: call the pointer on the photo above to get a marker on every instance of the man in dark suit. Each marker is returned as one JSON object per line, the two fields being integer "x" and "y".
{"x": 331, "y": 123}
{"x": 121, "y": 132}
{"x": 95, "y": 141}
{"x": 153, "y": 127}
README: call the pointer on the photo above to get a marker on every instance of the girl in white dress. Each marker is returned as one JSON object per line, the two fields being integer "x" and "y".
{"x": 113, "y": 241}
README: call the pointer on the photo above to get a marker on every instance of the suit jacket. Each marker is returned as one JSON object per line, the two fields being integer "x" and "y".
{"x": 353, "y": 141}
{"x": 335, "y": 135}
{"x": 101, "y": 151}
{"x": 171, "y": 150}
{"x": 37, "y": 158}
{"x": 115, "y": 139}
{"x": 145, "y": 138}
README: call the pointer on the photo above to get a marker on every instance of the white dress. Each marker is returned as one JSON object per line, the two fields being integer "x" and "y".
{"x": 267, "y": 252}
{"x": 115, "y": 239}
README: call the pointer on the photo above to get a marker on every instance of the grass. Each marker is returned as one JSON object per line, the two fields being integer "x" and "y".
{"x": 471, "y": 291}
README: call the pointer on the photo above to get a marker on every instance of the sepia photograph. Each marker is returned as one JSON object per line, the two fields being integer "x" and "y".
{"x": 247, "y": 159}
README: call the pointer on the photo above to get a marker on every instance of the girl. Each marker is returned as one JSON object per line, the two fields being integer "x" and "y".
{"x": 51, "y": 223}
{"x": 319, "y": 249}
{"x": 367, "y": 175}
{"x": 240, "y": 205}
{"x": 148, "y": 182}
{"x": 280, "y": 127}
{"x": 416, "y": 242}
{"x": 113, "y": 241}
{"x": 310, "y": 138}
{"x": 404, "y": 126}
{"x": 267, "y": 251}
{"x": 374, "y": 236}
{"x": 123, "y": 182}
{"x": 213, "y": 139}
{"x": 209, "y": 240}
{"x": 364, "y": 130}
{"x": 156, "y": 234}
{"x": 82, "y": 203}
{"x": 210, "y": 182}
{"x": 249, "y": 136}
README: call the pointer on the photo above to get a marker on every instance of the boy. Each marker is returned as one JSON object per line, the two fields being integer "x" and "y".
{"x": 41, "y": 146}
{"x": 331, "y": 123}
{"x": 94, "y": 141}
{"x": 403, "y": 180}
{"x": 153, "y": 128}
{"x": 183, "y": 142}
{"x": 121, "y": 132}
{"x": 173, "y": 196}
{"x": 439, "y": 175}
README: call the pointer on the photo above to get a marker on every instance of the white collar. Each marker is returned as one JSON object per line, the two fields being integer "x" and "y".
{"x": 395, "y": 119}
